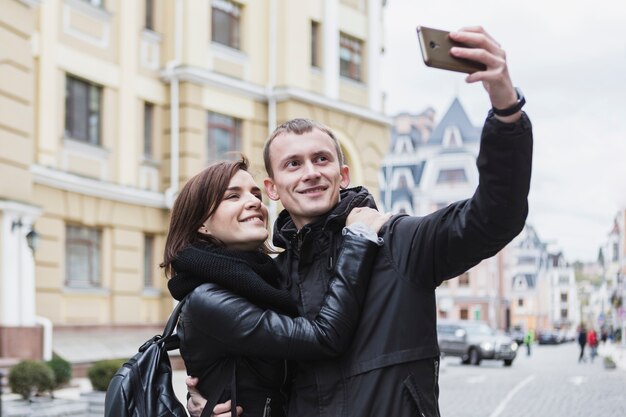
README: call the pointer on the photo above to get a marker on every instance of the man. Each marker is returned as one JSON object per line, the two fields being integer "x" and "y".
{"x": 392, "y": 365}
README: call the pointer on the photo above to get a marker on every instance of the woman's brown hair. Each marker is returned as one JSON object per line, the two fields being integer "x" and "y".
{"x": 196, "y": 202}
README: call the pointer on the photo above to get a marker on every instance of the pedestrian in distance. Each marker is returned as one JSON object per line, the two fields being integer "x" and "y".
{"x": 236, "y": 321}
{"x": 592, "y": 341}
{"x": 392, "y": 365}
{"x": 529, "y": 338}
{"x": 582, "y": 342}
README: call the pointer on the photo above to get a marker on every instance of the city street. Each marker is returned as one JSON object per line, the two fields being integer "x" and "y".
{"x": 549, "y": 383}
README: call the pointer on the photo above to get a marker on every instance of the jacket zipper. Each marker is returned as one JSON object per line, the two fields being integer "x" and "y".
{"x": 267, "y": 411}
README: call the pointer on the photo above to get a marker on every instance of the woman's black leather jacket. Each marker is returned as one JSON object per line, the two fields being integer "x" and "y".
{"x": 219, "y": 329}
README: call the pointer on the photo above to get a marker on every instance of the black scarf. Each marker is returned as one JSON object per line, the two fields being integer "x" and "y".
{"x": 252, "y": 275}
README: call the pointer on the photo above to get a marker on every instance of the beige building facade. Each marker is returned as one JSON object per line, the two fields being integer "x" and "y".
{"x": 107, "y": 107}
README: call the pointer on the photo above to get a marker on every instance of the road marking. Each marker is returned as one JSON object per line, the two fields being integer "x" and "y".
{"x": 578, "y": 380}
{"x": 476, "y": 379}
{"x": 500, "y": 408}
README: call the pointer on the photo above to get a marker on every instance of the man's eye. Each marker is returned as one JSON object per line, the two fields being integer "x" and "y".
{"x": 322, "y": 159}
{"x": 259, "y": 196}
{"x": 292, "y": 164}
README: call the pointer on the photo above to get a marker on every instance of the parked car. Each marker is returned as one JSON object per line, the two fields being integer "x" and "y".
{"x": 474, "y": 341}
{"x": 517, "y": 333}
{"x": 549, "y": 337}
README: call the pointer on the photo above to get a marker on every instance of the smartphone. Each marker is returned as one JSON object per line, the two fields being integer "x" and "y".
{"x": 435, "y": 45}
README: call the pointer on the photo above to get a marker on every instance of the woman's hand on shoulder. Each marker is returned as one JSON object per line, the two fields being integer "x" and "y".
{"x": 372, "y": 218}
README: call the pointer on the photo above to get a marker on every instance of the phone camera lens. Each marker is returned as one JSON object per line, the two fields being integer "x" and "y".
{"x": 433, "y": 45}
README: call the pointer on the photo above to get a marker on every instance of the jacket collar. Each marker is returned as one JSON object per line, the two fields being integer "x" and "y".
{"x": 285, "y": 229}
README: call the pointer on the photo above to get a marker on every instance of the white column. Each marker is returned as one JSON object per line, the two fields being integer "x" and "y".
{"x": 373, "y": 54}
{"x": 17, "y": 265}
{"x": 331, "y": 48}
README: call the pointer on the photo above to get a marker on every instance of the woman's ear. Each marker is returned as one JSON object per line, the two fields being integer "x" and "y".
{"x": 203, "y": 230}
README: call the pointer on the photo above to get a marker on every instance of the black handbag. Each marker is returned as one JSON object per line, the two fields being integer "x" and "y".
{"x": 142, "y": 387}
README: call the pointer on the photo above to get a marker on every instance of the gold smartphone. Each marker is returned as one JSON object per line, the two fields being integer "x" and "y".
{"x": 435, "y": 45}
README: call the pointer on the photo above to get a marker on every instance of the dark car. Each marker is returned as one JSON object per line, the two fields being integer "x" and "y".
{"x": 549, "y": 337}
{"x": 474, "y": 341}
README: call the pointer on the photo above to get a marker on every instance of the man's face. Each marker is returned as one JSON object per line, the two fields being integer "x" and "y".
{"x": 307, "y": 175}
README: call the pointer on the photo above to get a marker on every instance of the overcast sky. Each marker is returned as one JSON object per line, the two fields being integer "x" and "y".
{"x": 569, "y": 59}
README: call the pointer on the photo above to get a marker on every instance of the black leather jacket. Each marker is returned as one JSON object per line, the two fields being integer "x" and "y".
{"x": 391, "y": 368}
{"x": 218, "y": 328}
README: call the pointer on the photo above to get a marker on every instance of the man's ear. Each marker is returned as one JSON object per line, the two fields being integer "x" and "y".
{"x": 344, "y": 171}
{"x": 270, "y": 189}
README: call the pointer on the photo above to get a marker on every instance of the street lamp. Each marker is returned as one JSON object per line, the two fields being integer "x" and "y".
{"x": 32, "y": 237}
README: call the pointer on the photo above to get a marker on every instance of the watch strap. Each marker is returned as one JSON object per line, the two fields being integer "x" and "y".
{"x": 521, "y": 100}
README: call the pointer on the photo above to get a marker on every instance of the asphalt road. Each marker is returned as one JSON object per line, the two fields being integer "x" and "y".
{"x": 549, "y": 383}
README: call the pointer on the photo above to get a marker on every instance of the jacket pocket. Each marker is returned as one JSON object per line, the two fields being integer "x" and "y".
{"x": 416, "y": 397}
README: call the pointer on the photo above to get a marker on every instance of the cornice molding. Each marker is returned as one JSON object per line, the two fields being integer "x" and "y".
{"x": 95, "y": 188}
{"x": 206, "y": 77}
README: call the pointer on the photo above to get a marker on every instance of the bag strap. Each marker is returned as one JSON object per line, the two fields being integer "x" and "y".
{"x": 173, "y": 320}
{"x": 214, "y": 397}
{"x": 171, "y": 343}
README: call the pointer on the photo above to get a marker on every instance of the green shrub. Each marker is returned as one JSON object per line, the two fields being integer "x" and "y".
{"x": 62, "y": 370}
{"x": 101, "y": 373}
{"x": 31, "y": 377}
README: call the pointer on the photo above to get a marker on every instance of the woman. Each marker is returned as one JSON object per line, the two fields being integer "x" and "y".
{"x": 235, "y": 312}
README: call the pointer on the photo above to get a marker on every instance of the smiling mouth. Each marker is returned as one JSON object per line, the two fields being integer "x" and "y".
{"x": 313, "y": 190}
{"x": 253, "y": 219}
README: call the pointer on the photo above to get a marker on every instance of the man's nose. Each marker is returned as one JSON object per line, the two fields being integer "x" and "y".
{"x": 310, "y": 171}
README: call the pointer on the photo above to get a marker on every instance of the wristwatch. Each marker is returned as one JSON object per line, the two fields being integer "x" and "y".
{"x": 521, "y": 100}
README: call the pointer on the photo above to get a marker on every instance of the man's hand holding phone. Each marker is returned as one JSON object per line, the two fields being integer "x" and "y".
{"x": 483, "y": 58}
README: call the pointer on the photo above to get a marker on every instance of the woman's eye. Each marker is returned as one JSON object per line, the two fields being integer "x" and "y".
{"x": 259, "y": 196}
{"x": 231, "y": 196}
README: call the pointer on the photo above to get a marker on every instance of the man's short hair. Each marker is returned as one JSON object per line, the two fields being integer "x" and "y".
{"x": 298, "y": 127}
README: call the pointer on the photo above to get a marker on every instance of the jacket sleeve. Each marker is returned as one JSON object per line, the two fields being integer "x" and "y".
{"x": 243, "y": 328}
{"x": 430, "y": 249}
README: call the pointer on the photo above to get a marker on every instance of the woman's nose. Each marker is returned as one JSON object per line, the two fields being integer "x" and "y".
{"x": 253, "y": 201}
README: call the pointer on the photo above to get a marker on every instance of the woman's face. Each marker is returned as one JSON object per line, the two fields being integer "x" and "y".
{"x": 240, "y": 220}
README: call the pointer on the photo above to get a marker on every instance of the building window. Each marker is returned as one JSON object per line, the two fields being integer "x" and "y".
{"x": 526, "y": 260}
{"x": 225, "y": 22}
{"x": 315, "y": 44}
{"x": 82, "y": 110}
{"x": 149, "y": 23}
{"x": 97, "y": 3}
{"x": 148, "y": 130}
{"x": 224, "y": 137}
{"x": 402, "y": 182}
{"x": 520, "y": 302}
{"x": 82, "y": 257}
{"x": 615, "y": 256}
{"x": 350, "y": 58}
{"x": 464, "y": 280}
{"x": 463, "y": 314}
{"x": 564, "y": 313}
{"x": 450, "y": 176}
{"x": 564, "y": 279}
{"x": 564, "y": 297}
{"x": 148, "y": 261}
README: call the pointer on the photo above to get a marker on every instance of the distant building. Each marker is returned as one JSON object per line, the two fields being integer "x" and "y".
{"x": 427, "y": 167}
{"x": 613, "y": 313}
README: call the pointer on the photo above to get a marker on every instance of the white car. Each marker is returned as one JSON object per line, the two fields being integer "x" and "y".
{"x": 474, "y": 341}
